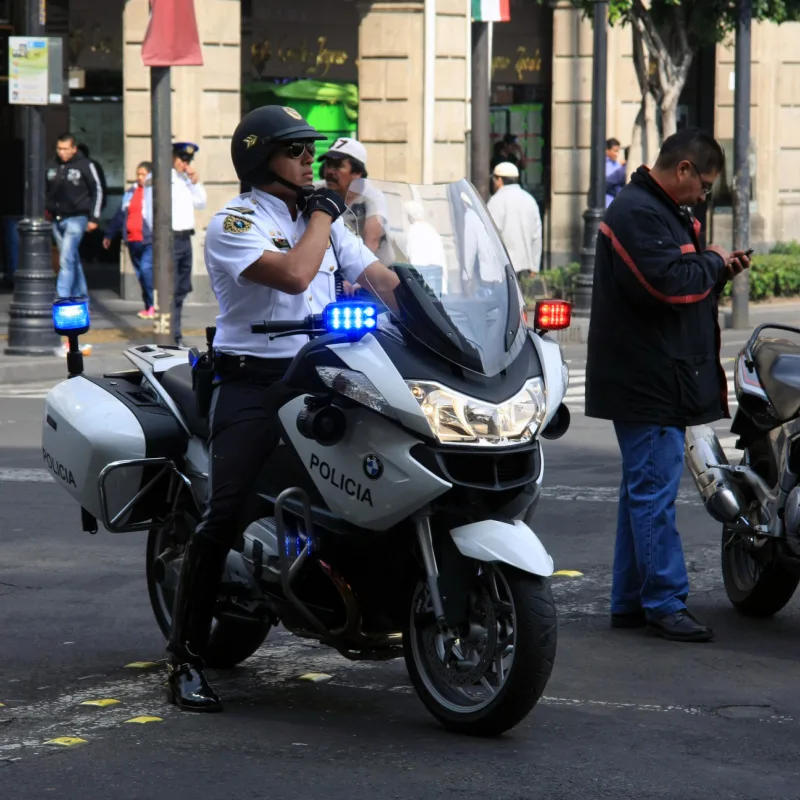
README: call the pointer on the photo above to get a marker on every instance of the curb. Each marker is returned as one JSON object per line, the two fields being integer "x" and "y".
{"x": 120, "y": 335}
{"x": 31, "y": 370}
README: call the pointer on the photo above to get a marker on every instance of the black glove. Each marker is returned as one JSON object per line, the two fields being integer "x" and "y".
{"x": 323, "y": 200}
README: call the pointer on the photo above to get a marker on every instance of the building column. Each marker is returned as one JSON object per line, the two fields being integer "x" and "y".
{"x": 392, "y": 88}
{"x": 206, "y": 103}
{"x": 571, "y": 132}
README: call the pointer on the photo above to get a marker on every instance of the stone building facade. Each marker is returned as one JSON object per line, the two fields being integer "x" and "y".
{"x": 411, "y": 63}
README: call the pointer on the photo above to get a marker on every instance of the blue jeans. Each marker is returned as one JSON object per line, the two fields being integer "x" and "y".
{"x": 649, "y": 568}
{"x": 68, "y": 234}
{"x": 142, "y": 259}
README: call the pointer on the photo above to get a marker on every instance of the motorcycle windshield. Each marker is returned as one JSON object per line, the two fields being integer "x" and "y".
{"x": 457, "y": 293}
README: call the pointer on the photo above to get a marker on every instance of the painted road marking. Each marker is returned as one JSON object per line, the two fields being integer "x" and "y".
{"x": 13, "y": 475}
{"x": 104, "y": 703}
{"x": 585, "y": 494}
{"x": 66, "y": 741}
{"x": 315, "y": 677}
{"x": 568, "y": 573}
{"x": 141, "y": 665}
{"x": 576, "y": 401}
{"x": 272, "y": 668}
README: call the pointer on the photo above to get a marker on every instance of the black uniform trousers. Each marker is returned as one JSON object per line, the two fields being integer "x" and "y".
{"x": 243, "y": 433}
{"x": 182, "y": 257}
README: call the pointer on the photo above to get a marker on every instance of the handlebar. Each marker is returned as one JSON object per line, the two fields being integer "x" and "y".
{"x": 278, "y": 326}
{"x": 748, "y": 348}
{"x": 311, "y": 324}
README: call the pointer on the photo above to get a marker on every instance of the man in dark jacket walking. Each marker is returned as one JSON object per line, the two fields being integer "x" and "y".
{"x": 653, "y": 368}
{"x": 74, "y": 201}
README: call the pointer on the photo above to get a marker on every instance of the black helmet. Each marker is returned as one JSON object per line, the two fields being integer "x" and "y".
{"x": 256, "y": 136}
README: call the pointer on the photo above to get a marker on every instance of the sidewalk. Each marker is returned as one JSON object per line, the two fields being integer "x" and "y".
{"x": 115, "y": 327}
{"x": 786, "y": 312}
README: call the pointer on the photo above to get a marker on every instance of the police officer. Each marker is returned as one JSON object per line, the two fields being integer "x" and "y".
{"x": 271, "y": 253}
{"x": 188, "y": 193}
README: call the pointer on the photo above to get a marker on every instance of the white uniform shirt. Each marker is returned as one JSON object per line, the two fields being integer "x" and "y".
{"x": 236, "y": 238}
{"x": 186, "y": 197}
{"x": 517, "y": 217}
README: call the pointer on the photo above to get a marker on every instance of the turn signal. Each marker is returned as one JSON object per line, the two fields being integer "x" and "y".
{"x": 552, "y": 315}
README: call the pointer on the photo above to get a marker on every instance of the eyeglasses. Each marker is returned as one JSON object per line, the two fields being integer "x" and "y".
{"x": 705, "y": 185}
{"x": 296, "y": 149}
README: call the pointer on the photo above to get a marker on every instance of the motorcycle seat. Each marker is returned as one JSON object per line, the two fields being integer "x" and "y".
{"x": 178, "y": 383}
{"x": 777, "y": 364}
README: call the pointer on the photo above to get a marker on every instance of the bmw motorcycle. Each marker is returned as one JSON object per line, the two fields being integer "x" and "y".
{"x": 393, "y": 520}
{"x": 757, "y": 500}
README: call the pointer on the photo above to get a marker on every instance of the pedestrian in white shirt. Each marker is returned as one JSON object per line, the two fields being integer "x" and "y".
{"x": 188, "y": 193}
{"x": 425, "y": 249}
{"x": 517, "y": 217}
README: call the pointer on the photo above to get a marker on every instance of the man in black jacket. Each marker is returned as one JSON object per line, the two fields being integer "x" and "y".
{"x": 74, "y": 201}
{"x": 653, "y": 368}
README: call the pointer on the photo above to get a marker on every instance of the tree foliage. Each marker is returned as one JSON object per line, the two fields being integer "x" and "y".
{"x": 666, "y": 36}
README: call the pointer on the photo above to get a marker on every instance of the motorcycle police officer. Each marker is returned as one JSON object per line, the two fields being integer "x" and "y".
{"x": 271, "y": 253}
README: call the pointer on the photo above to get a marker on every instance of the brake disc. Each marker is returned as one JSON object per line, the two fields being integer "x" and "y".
{"x": 477, "y": 650}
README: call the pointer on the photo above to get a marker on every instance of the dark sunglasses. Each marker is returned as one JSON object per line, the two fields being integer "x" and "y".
{"x": 296, "y": 149}
{"x": 705, "y": 185}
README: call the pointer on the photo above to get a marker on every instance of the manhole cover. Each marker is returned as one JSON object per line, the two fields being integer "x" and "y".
{"x": 745, "y": 712}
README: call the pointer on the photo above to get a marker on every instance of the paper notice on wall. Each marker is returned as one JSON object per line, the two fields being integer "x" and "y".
{"x": 28, "y": 71}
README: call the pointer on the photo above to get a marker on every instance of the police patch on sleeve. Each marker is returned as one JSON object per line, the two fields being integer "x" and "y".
{"x": 236, "y": 224}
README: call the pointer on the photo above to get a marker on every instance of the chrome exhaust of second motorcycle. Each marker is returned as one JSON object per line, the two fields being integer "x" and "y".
{"x": 712, "y": 476}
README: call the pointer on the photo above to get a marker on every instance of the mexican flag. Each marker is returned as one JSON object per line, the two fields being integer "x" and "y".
{"x": 491, "y": 11}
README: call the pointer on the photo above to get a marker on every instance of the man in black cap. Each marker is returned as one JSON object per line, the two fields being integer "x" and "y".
{"x": 188, "y": 194}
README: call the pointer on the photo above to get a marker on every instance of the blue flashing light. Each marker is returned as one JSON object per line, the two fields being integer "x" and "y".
{"x": 71, "y": 316}
{"x": 355, "y": 319}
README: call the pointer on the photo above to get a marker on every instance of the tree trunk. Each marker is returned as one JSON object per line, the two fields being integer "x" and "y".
{"x": 662, "y": 59}
{"x": 669, "y": 117}
{"x": 644, "y": 137}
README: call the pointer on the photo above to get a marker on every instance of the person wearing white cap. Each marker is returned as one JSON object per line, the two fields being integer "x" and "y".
{"x": 517, "y": 217}
{"x": 344, "y": 169}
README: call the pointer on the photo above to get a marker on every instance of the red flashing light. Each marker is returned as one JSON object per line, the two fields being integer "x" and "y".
{"x": 552, "y": 315}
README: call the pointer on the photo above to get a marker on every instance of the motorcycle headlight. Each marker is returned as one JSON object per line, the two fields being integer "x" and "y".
{"x": 455, "y": 418}
{"x": 355, "y": 385}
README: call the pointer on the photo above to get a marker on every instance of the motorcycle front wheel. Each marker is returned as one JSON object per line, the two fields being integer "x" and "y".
{"x": 232, "y": 639}
{"x": 487, "y": 680}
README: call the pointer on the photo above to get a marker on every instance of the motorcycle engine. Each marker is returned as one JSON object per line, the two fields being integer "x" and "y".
{"x": 791, "y": 519}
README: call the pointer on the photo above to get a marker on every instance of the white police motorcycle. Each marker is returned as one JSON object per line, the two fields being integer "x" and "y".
{"x": 393, "y": 518}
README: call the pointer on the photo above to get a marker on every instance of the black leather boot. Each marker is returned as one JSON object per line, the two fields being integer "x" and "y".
{"x": 192, "y": 615}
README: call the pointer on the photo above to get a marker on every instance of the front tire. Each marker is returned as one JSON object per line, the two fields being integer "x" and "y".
{"x": 232, "y": 639}
{"x": 508, "y": 668}
{"x": 756, "y": 583}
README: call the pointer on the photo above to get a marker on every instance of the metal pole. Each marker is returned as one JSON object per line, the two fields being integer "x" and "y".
{"x": 593, "y": 215}
{"x": 30, "y": 326}
{"x": 741, "y": 161}
{"x": 481, "y": 156}
{"x": 164, "y": 281}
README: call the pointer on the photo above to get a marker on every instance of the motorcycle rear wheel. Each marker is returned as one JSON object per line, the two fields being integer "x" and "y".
{"x": 755, "y": 587}
{"x": 232, "y": 640}
{"x": 508, "y": 654}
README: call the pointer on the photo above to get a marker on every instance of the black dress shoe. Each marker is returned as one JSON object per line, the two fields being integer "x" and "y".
{"x": 189, "y": 689}
{"x": 632, "y": 619}
{"x": 680, "y": 627}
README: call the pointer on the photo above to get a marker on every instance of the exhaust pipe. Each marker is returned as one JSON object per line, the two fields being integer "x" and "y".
{"x": 704, "y": 456}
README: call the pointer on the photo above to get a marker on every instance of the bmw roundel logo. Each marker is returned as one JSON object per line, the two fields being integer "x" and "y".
{"x": 373, "y": 467}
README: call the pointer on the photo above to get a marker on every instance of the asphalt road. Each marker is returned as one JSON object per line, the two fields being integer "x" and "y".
{"x": 624, "y": 716}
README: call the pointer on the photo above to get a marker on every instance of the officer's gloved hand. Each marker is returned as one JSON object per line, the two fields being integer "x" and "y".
{"x": 322, "y": 200}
